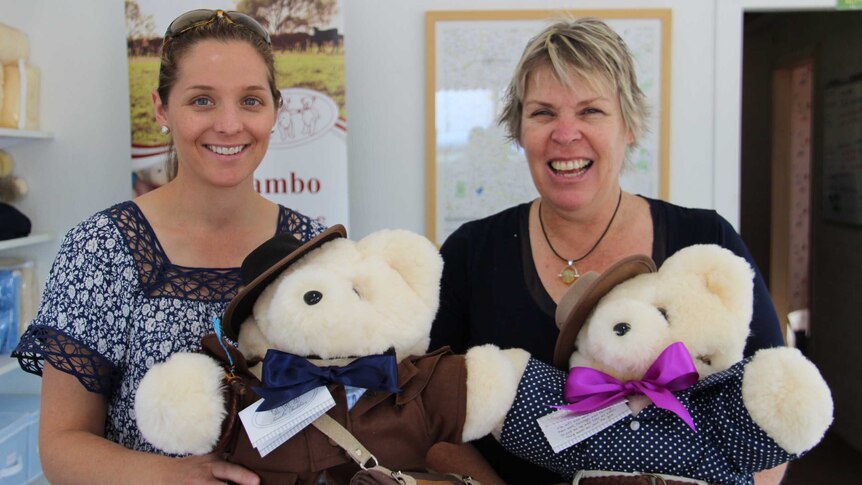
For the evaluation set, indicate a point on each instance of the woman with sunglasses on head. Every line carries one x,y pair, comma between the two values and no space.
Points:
145,278
575,108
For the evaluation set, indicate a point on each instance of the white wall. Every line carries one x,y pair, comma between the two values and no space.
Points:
80,49
385,56
728,93
85,104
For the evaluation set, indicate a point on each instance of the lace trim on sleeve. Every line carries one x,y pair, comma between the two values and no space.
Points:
42,343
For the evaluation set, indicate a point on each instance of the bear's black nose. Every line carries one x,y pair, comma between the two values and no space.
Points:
622,328
312,297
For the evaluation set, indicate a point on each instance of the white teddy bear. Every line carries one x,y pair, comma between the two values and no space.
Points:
645,335
331,308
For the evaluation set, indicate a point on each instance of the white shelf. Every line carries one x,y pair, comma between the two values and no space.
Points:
9,137
26,241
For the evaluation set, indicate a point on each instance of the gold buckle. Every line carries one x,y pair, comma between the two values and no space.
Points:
653,477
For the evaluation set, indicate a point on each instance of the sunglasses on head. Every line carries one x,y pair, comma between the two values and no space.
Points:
198,18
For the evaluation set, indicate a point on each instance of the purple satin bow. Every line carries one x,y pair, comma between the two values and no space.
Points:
589,389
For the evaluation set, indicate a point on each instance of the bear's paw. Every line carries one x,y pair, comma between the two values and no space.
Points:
788,398
179,405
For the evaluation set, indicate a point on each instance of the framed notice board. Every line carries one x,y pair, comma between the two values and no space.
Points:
842,151
472,171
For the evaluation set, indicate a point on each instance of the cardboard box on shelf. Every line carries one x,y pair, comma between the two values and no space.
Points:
14,44
20,96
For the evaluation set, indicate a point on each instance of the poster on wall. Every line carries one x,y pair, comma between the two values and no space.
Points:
842,151
305,167
473,171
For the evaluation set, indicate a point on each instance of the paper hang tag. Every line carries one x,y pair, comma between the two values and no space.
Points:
564,428
267,430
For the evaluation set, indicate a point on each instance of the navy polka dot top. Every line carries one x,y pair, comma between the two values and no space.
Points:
727,447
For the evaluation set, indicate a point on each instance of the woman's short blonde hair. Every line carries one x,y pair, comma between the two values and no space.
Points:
586,48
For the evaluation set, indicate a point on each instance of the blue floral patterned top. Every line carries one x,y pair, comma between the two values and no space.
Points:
114,305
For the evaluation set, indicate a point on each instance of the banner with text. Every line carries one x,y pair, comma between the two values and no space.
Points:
306,165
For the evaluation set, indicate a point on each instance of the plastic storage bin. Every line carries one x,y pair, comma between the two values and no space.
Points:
10,309
17,300
19,452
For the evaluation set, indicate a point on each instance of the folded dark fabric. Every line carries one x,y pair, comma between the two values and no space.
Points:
12,223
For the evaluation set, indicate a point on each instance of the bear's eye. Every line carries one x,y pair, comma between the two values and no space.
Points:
622,328
663,313
312,297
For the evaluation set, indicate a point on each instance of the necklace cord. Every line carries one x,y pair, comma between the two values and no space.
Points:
572,261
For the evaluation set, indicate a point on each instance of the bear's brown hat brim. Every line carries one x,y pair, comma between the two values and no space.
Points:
263,265
579,300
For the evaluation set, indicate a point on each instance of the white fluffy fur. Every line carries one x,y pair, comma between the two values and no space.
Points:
787,397
492,381
408,253
626,357
179,405
378,293
707,293
251,341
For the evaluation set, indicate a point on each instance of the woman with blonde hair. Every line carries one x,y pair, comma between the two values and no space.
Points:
575,107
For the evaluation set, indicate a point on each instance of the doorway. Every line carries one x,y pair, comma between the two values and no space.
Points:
809,260
790,235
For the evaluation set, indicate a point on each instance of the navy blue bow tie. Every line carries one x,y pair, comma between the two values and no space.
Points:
287,376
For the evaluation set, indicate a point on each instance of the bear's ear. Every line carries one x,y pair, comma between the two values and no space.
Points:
251,341
414,257
724,274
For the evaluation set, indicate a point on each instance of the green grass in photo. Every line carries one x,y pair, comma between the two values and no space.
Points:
143,79
321,72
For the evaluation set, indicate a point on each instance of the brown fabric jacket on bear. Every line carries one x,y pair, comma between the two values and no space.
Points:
398,429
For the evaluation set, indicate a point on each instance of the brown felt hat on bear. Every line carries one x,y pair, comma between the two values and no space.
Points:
263,265
579,300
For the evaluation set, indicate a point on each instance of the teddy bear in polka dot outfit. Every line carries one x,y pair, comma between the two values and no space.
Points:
639,334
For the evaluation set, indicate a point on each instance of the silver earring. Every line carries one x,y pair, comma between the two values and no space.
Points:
165,129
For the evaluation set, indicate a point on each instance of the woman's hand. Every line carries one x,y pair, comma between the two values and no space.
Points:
772,476
74,451
209,469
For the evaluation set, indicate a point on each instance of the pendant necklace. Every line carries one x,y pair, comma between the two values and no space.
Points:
569,274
